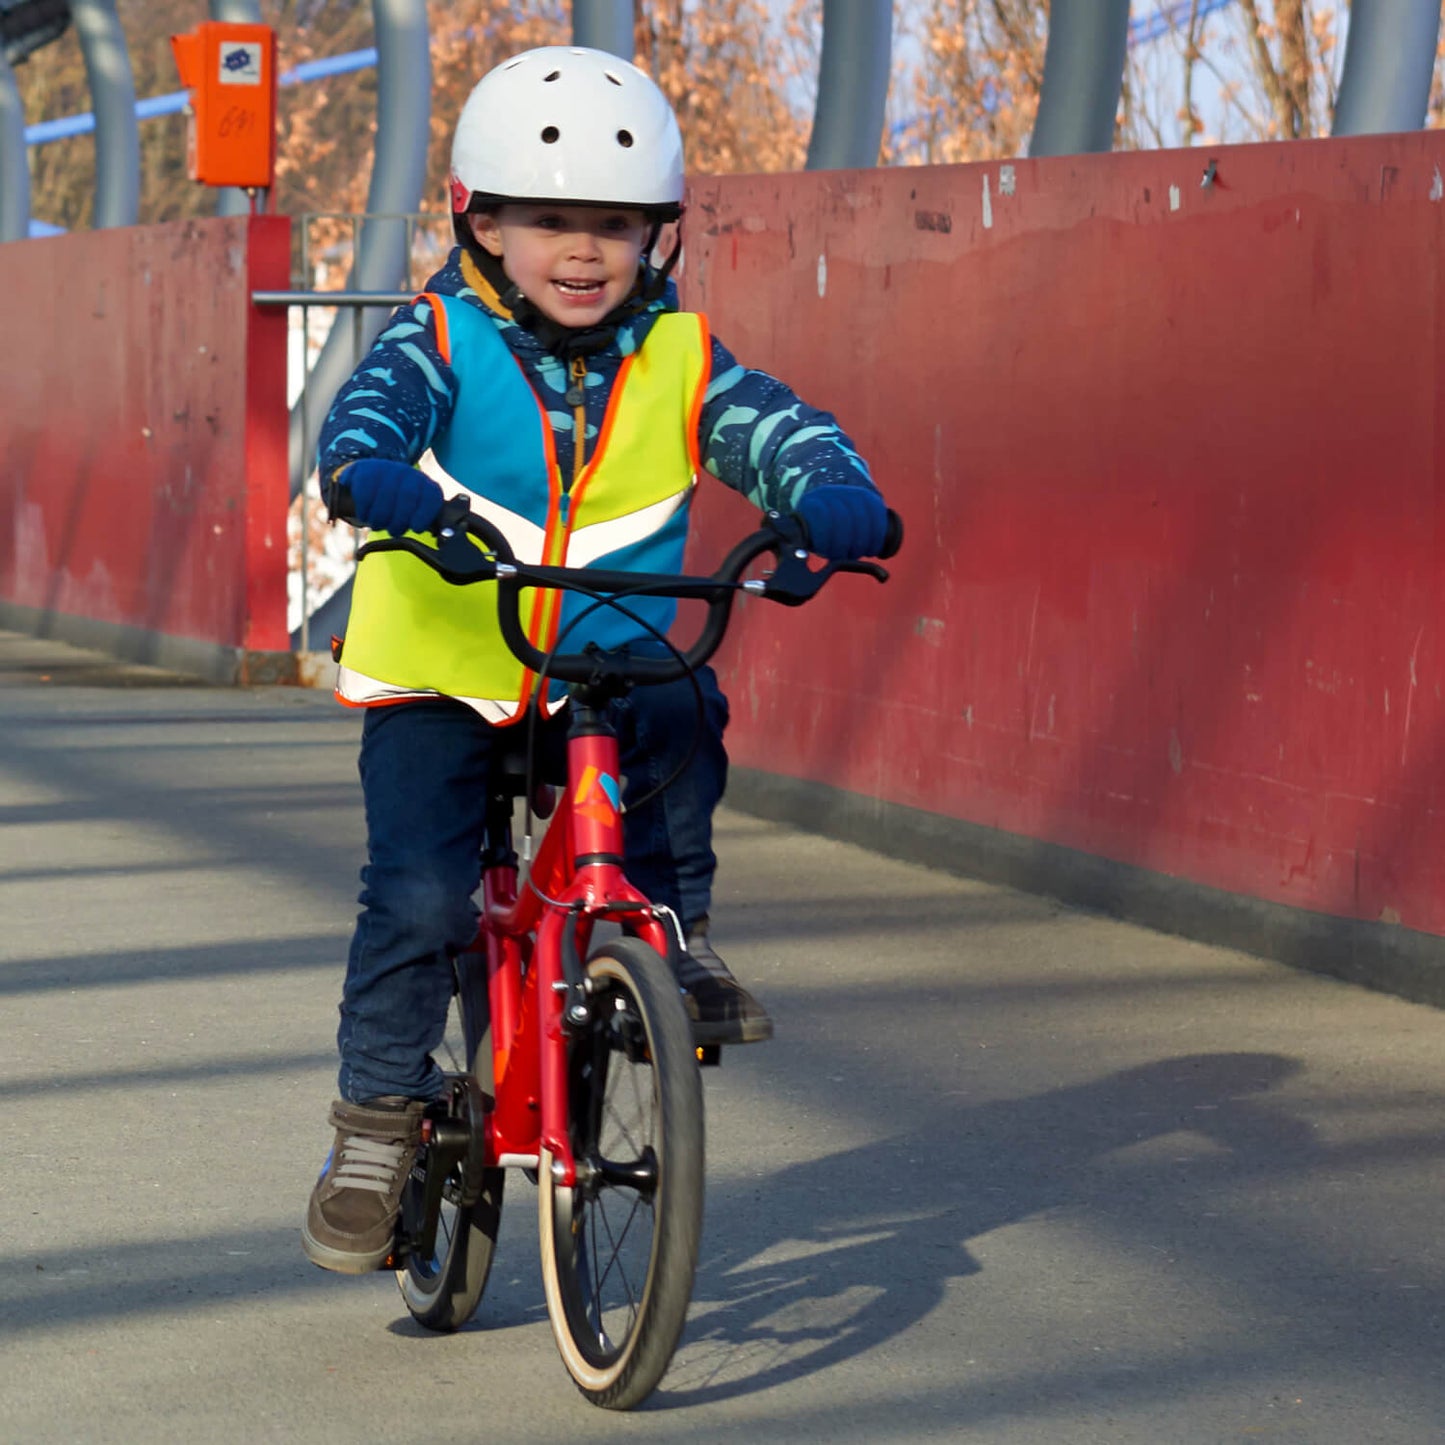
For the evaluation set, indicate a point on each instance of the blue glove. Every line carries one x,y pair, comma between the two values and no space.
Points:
843,523
391,496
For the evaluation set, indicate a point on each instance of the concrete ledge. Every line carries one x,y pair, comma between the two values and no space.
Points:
1381,956
209,661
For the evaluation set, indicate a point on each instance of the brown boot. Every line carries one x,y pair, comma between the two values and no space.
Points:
351,1219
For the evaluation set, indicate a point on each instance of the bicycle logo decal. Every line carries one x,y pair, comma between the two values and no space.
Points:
598,797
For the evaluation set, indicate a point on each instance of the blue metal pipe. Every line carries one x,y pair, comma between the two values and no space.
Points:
63,128
1168,18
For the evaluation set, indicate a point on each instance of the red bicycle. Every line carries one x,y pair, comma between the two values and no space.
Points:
576,1063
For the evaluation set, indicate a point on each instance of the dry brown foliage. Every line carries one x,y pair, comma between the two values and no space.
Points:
728,79
1257,70
976,89
741,74
729,66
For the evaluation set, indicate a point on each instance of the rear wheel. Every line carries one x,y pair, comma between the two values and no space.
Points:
620,1246
442,1284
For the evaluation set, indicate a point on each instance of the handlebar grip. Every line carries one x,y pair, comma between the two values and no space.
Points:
893,537
338,499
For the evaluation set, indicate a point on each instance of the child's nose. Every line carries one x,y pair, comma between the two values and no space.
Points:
585,246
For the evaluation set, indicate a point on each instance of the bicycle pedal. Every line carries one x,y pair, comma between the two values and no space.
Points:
709,1056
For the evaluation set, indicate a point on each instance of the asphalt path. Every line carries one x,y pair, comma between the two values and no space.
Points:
1008,1173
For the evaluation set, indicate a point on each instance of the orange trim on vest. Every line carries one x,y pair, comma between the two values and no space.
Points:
439,314
380,701
694,420
548,608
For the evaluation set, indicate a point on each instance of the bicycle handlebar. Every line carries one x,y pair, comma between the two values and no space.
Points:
792,582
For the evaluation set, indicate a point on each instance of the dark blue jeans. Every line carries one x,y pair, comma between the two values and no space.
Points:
426,769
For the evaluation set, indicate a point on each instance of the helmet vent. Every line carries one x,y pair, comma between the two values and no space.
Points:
624,138
551,135
555,75
611,77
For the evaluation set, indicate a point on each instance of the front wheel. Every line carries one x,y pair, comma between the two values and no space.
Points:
619,1248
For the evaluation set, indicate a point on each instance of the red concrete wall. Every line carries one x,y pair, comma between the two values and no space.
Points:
143,464
1166,447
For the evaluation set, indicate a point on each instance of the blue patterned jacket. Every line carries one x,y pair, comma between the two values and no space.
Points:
754,434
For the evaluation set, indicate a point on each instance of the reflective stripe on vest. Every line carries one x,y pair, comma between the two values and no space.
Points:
410,633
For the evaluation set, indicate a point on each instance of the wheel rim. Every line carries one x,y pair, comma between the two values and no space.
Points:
605,1226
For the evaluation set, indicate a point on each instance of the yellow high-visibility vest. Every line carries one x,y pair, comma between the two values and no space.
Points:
413,634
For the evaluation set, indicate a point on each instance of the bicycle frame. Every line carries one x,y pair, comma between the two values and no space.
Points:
533,940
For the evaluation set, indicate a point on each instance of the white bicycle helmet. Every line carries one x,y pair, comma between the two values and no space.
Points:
567,124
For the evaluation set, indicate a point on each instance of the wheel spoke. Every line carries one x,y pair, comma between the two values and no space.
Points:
615,1262
617,1242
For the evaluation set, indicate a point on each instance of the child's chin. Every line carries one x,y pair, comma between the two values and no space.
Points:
578,316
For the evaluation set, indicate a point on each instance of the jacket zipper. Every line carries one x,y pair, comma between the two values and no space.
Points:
576,398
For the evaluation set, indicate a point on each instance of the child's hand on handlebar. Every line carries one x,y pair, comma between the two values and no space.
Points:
391,496
843,523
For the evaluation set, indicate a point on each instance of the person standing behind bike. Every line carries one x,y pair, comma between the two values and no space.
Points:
550,374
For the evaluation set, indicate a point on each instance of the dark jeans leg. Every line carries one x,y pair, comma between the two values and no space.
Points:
669,838
424,775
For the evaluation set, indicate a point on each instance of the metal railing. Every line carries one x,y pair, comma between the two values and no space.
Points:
427,242
356,302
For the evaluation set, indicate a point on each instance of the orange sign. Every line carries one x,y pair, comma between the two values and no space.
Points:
230,71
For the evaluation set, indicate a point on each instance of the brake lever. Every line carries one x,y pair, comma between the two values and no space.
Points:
460,560
867,569
453,516
793,582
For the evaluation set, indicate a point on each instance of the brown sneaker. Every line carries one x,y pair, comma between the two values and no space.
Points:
722,1011
351,1219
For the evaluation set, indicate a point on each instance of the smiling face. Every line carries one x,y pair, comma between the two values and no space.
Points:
575,264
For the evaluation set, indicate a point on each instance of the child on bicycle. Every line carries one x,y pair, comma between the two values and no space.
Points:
548,374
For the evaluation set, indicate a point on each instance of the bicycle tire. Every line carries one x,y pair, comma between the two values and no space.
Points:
639,1041
442,1292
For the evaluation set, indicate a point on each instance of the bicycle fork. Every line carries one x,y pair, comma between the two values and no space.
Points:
537,1001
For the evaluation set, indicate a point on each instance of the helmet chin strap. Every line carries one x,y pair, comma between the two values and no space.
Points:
573,341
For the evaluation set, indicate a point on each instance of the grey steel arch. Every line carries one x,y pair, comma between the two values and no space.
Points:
112,97
403,127
230,200
852,84
14,159
1389,63
604,25
1083,77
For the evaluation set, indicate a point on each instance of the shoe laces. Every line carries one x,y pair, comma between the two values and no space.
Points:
370,1163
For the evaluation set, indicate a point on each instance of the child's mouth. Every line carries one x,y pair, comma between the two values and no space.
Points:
582,290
